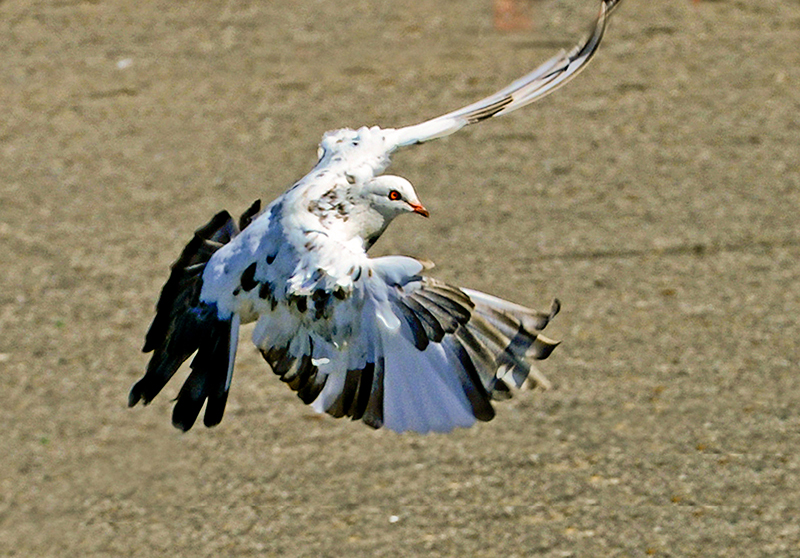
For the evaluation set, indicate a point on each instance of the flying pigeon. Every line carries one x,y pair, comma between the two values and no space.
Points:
374,339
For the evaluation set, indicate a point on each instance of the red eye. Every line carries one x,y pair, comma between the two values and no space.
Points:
394,195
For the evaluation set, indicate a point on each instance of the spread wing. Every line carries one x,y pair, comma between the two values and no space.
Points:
543,80
419,355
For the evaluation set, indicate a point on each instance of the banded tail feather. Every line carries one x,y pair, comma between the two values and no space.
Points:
512,333
452,352
489,343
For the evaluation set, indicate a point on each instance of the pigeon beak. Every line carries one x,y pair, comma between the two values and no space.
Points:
420,209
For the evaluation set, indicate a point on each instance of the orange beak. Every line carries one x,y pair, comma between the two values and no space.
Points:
420,209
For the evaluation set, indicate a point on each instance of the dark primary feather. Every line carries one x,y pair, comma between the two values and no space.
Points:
373,410
206,381
361,398
181,320
485,338
183,325
431,327
298,372
415,324
470,379
250,214
185,280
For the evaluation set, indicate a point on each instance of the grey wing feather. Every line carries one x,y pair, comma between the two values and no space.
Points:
543,80
451,352
491,340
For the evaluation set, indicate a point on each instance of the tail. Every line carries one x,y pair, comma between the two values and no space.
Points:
183,324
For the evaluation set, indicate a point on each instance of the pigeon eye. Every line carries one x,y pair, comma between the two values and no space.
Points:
394,195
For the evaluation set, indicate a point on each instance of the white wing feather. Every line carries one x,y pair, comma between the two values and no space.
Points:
422,391
543,80
418,388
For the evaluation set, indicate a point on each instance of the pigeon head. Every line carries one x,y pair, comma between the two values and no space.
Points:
392,195
381,199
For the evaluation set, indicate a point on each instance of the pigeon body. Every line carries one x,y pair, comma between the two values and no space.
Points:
370,338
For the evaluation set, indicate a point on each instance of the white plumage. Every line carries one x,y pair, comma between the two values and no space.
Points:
369,338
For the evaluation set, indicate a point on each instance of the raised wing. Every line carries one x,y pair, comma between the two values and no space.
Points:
543,80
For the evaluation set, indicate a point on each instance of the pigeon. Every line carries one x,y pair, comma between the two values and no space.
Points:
374,339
